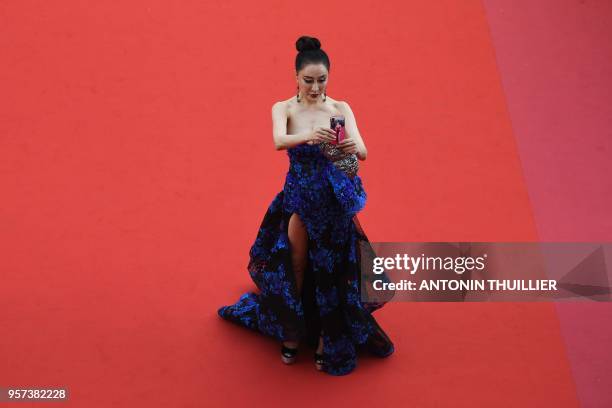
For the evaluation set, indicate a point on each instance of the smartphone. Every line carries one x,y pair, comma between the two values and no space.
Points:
337,124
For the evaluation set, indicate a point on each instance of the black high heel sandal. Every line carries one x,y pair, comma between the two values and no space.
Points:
288,355
318,357
319,361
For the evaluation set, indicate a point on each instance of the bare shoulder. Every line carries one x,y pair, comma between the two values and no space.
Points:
281,105
344,107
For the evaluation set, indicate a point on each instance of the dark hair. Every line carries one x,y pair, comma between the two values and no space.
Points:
310,52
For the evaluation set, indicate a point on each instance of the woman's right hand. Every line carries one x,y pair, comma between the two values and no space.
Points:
320,134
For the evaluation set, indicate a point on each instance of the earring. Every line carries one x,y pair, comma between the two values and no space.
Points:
324,96
298,93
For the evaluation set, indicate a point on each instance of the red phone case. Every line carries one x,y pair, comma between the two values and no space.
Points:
340,135
337,124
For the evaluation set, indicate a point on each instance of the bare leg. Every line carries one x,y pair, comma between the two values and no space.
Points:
298,238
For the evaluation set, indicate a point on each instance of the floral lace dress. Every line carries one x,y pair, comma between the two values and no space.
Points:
327,201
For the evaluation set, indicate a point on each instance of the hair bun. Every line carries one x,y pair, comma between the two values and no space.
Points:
305,43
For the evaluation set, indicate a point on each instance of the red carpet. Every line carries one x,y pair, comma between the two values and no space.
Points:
137,163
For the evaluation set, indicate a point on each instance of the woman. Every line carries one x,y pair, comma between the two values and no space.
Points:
306,257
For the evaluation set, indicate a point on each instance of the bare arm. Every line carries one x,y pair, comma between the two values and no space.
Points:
279,129
353,132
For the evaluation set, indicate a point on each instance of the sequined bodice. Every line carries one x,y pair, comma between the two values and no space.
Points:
322,152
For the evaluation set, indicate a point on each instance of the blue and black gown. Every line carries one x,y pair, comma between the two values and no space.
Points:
327,201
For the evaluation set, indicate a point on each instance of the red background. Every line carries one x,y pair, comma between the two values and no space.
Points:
137,163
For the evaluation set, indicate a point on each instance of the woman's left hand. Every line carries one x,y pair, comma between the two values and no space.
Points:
348,146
